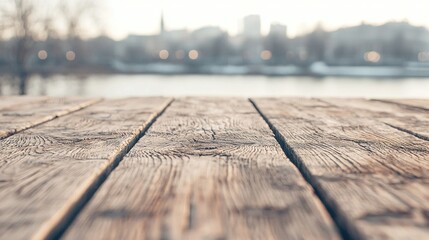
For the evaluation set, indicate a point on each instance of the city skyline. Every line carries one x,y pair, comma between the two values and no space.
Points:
142,17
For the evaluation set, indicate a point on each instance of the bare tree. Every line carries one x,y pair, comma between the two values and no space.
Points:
76,15
27,20
18,17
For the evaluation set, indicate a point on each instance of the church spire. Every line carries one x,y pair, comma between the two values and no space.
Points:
162,26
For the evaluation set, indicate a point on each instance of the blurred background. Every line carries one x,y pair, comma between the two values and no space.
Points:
118,48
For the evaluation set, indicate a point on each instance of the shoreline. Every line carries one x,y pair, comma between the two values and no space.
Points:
315,70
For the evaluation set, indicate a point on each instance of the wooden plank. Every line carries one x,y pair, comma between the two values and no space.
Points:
417,103
373,178
412,120
11,101
26,114
49,171
207,169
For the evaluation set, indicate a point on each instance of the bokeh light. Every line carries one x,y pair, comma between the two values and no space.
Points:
163,54
70,55
193,54
42,55
372,56
266,55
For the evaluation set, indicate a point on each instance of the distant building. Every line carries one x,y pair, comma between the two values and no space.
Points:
252,26
252,40
208,32
174,36
138,48
278,30
170,40
396,42
276,43
162,24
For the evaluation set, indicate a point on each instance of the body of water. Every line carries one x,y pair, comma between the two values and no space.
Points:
215,85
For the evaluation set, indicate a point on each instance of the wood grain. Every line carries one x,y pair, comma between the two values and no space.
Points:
414,121
372,177
207,169
417,103
22,114
12,101
46,171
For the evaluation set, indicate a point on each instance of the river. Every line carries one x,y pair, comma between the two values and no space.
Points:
220,85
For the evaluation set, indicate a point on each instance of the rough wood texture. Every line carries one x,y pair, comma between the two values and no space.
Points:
207,169
48,170
373,178
412,120
21,114
418,103
11,101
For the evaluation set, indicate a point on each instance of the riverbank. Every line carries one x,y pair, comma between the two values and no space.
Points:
125,85
318,69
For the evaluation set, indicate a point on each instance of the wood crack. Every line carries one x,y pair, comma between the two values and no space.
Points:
417,135
41,119
403,105
59,224
346,229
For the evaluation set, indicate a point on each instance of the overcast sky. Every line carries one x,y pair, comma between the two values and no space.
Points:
123,17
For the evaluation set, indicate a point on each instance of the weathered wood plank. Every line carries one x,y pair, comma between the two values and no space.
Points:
11,101
49,170
373,178
412,120
207,169
417,103
26,114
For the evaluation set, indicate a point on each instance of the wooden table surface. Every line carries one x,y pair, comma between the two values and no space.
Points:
213,168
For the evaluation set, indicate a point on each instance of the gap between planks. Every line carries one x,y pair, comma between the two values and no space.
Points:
207,169
417,135
93,185
58,224
44,119
346,232
408,105
405,107
372,176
